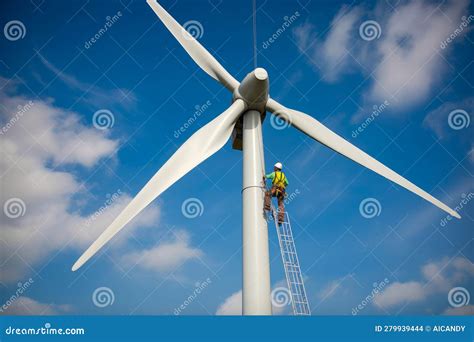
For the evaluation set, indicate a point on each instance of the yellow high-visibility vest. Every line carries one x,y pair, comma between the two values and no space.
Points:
279,179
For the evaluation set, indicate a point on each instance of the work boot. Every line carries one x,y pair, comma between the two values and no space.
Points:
281,218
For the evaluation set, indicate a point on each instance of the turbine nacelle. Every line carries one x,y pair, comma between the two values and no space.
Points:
253,90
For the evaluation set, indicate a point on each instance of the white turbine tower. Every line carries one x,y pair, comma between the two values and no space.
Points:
250,101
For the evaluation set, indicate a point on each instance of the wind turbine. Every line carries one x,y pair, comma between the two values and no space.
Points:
250,101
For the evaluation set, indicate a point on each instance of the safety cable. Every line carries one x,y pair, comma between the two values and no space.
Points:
255,63
253,186
255,34
261,154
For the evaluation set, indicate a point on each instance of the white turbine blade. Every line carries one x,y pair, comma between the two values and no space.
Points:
200,146
198,53
325,136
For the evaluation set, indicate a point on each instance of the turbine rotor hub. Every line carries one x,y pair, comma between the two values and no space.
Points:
261,74
254,90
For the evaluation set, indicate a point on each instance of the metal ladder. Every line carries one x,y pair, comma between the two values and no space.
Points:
294,278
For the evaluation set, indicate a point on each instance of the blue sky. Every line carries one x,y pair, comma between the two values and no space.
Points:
64,169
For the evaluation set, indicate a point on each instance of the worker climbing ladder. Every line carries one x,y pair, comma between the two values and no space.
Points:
294,278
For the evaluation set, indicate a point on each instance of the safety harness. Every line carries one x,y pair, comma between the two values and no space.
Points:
279,182
279,179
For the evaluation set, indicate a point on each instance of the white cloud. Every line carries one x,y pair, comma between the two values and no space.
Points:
467,310
330,55
51,134
39,150
410,64
439,277
399,293
29,306
464,265
438,119
406,60
167,255
232,305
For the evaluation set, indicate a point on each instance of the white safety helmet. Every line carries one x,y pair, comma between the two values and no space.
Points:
278,165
